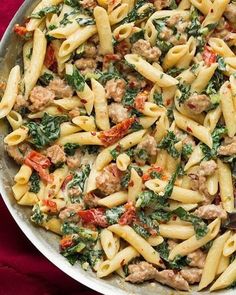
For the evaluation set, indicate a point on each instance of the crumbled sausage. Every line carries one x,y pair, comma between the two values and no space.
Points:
86,65
91,200
117,112
178,39
160,4
141,272
20,103
74,113
139,101
229,147
60,88
149,144
191,275
108,181
211,212
173,20
198,103
197,258
198,179
56,154
173,279
135,82
18,152
40,97
70,213
74,161
207,168
115,89
230,13
90,50
88,4
143,48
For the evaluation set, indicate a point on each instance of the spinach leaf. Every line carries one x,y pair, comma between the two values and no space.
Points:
200,227
126,177
43,12
174,71
112,73
115,153
137,36
217,135
72,253
215,83
130,94
136,126
178,263
164,46
168,144
161,215
85,234
194,29
134,15
76,80
221,63
46,132
160,24
85,21
37,216
90,256
158,99
113,214
68,18
34,183
70,148
187,150
45,79
80,178
142,154
140,230
72,3
185,92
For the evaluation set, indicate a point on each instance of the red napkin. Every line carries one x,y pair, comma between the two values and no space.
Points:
23,269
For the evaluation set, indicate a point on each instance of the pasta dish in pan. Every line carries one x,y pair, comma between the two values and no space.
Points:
122,117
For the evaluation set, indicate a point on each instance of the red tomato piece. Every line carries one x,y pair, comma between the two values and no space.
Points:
20,30
209,56
140,99
39,163
66,242
50,58
129,216
95,216
51,204
67,180
111,136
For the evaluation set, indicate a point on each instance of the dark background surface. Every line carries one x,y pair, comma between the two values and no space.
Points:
23,269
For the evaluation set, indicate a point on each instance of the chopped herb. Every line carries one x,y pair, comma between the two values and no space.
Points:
45,79
34,183
217,135
137,36
46,132
134,15
80,178
185,93
43,12
174,71
70,148
85,21
76,80
158,99
113,215
168,144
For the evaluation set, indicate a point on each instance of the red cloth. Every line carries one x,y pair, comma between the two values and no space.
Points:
23,269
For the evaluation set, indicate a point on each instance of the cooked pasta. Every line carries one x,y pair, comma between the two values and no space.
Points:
122,119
